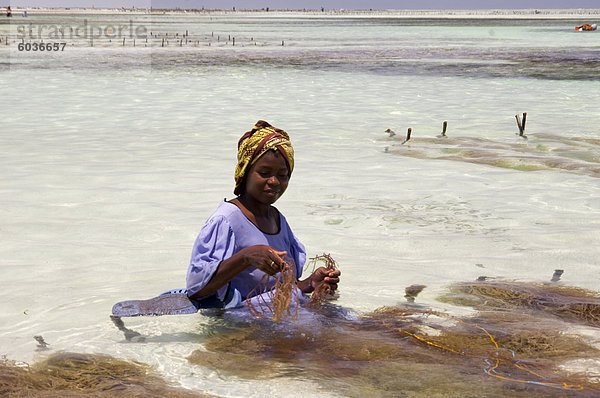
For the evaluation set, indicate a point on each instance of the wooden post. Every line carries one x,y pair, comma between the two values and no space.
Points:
134,42
521,125
444,127
557,274
407,136
163,42
233,41
123,42
282,43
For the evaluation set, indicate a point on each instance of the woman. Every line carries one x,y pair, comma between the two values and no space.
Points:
246,237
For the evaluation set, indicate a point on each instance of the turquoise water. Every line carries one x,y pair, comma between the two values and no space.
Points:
113,156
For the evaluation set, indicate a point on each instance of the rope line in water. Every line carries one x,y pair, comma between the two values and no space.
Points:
491,369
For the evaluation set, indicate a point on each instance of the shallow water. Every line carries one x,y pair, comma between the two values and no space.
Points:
113,156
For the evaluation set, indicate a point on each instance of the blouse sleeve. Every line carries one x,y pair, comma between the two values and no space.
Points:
215,243
298,254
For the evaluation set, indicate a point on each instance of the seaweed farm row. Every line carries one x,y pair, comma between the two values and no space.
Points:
576,155
523,339
103,38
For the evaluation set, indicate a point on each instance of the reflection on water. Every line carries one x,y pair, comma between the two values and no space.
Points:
514,344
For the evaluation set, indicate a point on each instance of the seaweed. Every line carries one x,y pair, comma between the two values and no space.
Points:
512,345
68,374
320,294
569,303
282,299
278,300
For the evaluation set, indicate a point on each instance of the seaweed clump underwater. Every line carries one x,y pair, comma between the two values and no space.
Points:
85,375
518,341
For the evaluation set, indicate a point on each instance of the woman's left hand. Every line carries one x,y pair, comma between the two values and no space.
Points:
322,279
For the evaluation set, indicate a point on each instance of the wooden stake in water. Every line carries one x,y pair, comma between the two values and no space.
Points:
557,274
233,41
521,125
407,136
444,127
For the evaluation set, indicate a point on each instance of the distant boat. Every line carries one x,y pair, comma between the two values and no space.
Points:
586,27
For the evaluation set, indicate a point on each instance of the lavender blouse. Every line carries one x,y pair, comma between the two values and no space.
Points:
228,231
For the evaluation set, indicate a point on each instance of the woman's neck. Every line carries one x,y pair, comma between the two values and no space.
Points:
260,210
264,217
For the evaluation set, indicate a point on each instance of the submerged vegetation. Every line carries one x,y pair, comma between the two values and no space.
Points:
85,375
518,343
539,152
520,339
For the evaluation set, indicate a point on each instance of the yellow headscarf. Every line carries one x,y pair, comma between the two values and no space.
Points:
262,138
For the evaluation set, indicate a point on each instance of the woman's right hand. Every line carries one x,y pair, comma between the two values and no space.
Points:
265,258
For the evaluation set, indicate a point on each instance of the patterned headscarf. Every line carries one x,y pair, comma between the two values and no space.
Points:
255,143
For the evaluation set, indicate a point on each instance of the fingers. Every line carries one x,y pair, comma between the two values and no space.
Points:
328,277
274,261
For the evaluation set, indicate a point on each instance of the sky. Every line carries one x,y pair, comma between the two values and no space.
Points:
314,4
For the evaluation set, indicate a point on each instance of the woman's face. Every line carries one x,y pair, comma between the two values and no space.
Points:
268,178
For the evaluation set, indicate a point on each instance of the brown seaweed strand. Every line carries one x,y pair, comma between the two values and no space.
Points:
319,295
279,296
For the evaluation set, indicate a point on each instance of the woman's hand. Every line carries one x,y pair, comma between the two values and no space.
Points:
324,280
265,258
262,257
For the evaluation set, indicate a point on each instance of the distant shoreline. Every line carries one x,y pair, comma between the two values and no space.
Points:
435,14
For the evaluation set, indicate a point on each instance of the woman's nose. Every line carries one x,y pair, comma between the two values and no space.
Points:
273,180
